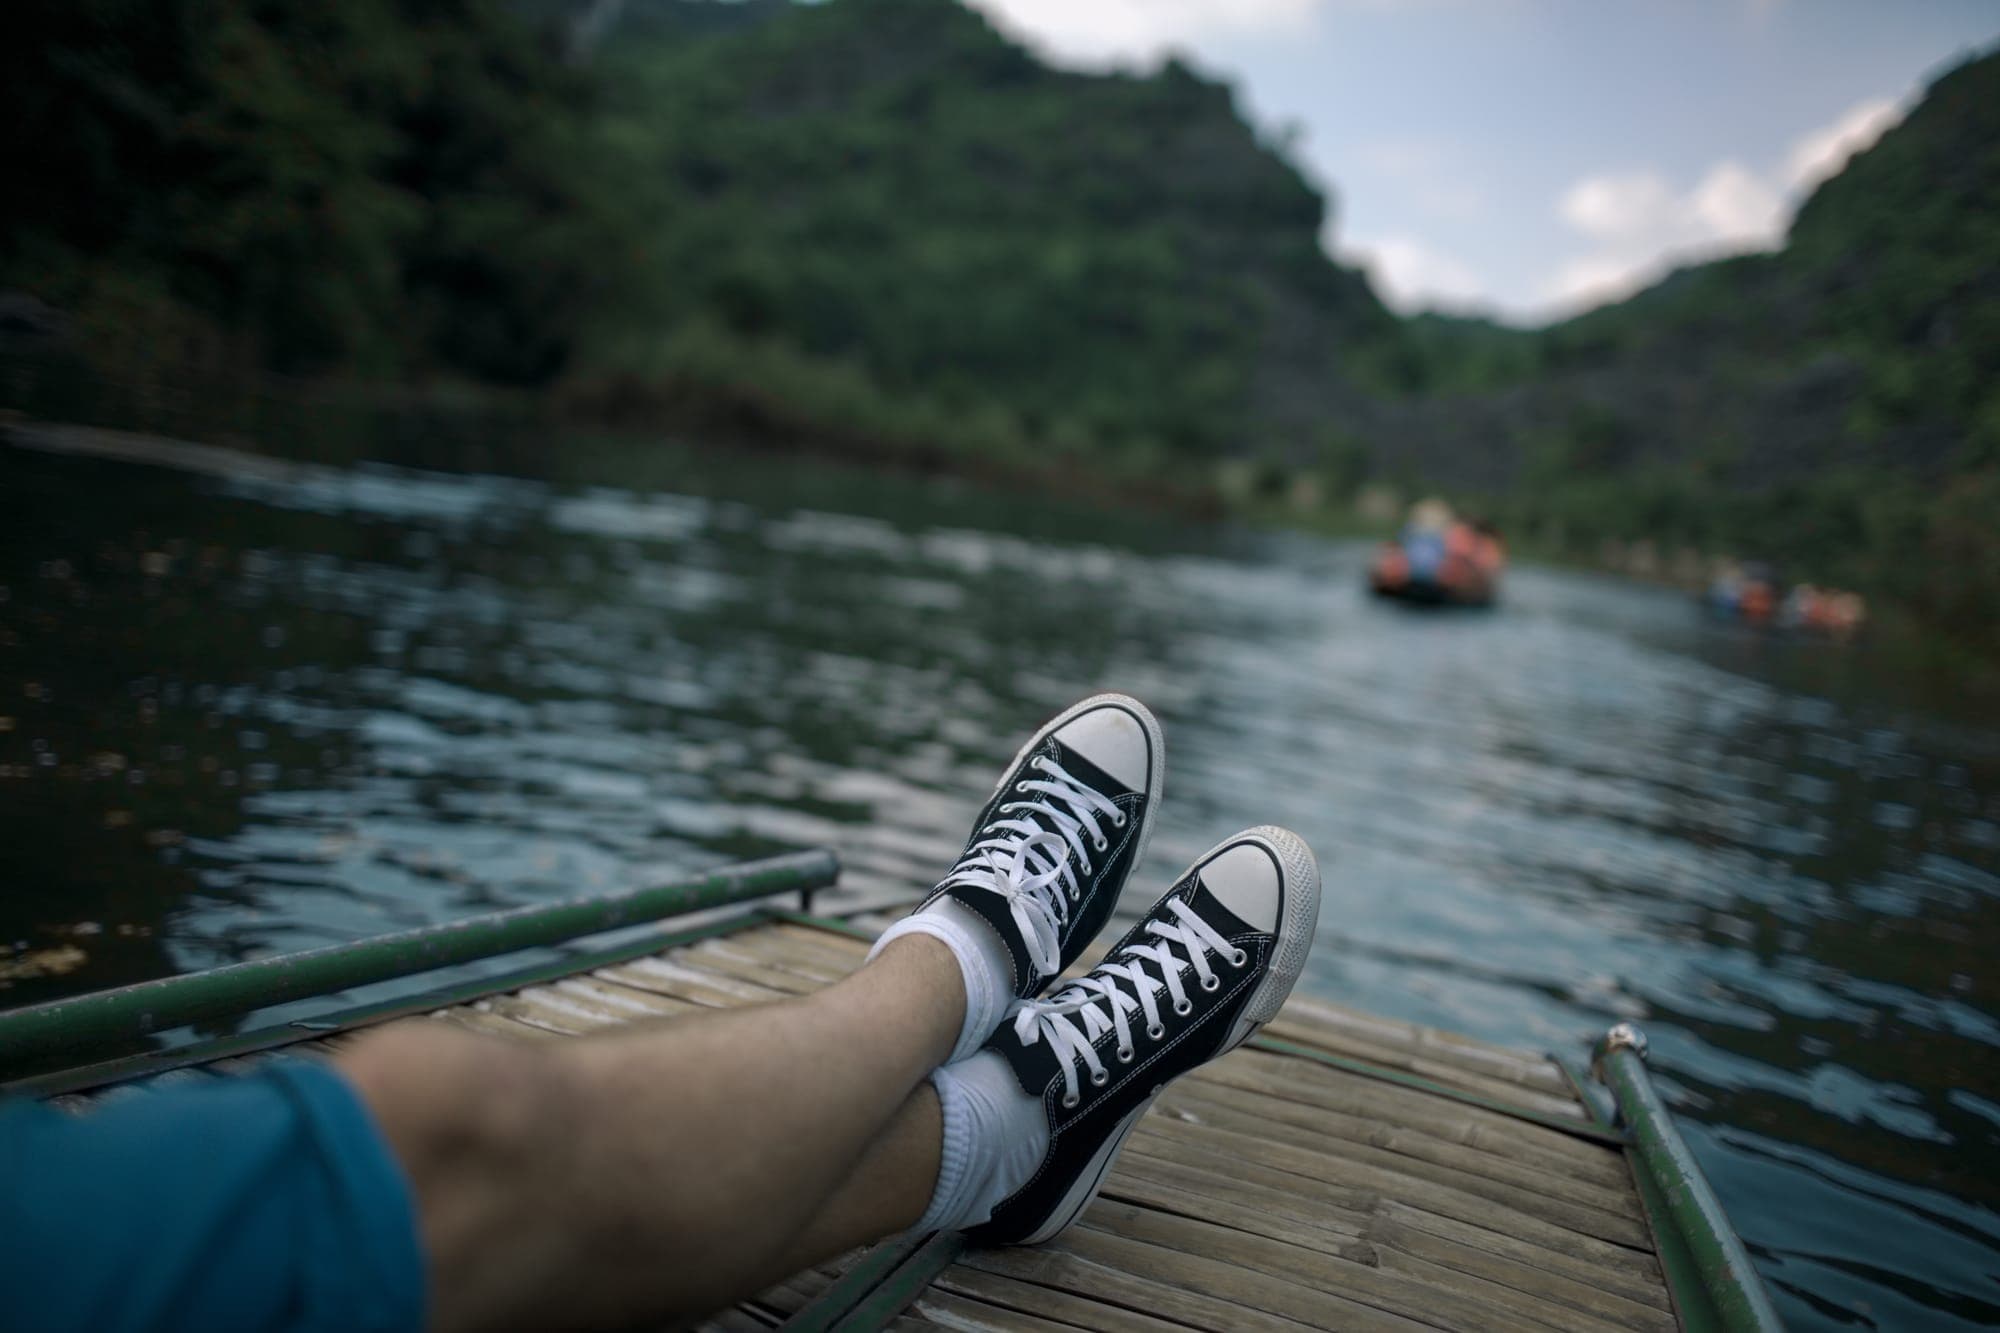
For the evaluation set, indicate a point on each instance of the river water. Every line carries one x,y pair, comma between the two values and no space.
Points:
247,708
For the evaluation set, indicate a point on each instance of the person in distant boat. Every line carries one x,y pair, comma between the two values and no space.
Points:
1489,552
1430,514
433,1177
1823,610
1472,558
1757,599
1725,589
1439,558
1426,538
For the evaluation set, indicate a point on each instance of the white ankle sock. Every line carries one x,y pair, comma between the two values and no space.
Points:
995,1136
982,961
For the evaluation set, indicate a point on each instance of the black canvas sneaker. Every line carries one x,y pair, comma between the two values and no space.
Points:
1209,965
1066,824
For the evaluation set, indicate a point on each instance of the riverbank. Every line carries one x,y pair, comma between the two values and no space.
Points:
456,425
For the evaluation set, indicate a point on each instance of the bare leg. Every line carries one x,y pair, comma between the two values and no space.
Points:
885,1192
666,1171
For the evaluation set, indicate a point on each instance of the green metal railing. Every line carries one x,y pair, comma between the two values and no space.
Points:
1708,1272
87,1023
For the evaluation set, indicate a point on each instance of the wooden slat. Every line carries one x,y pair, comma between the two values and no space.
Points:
1358,1215
1386,1103
1204,1294
668,975
837,941
1309,1126
735,1321
1085,1312
1320,1292
1426,1065
1626,1272
558,1017
1559,1292
1169,1187
1373,1235
637,1005
1450,1300
1552,1223
486,1023
787,955
1307,1018
782,1300
828,948
946,1309
712,956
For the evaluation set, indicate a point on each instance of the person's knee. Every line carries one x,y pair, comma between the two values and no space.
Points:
471,1119
451,1103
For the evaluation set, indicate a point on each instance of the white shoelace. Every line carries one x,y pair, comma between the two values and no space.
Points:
1034,865
1125,987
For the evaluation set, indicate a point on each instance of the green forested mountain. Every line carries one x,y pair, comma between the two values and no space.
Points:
879,225
888,214
874,219
1887,292
366,187
1835,405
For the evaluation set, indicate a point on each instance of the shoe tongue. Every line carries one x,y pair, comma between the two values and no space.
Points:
1077,767
1210,909
994,909
1086,772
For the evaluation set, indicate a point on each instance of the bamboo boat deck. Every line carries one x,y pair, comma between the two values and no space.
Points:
1341,1171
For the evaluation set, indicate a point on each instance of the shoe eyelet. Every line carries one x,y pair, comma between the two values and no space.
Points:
1211,982
1241,957
1100,1078
1020,786
1118,820
1069,1103
1099,843
1184,1008
1157,1031
1125,1054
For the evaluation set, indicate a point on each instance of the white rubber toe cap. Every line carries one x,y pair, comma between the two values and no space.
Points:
1112,737
1245,879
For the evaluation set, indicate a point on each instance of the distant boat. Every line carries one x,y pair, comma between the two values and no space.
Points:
1752,593
1458,564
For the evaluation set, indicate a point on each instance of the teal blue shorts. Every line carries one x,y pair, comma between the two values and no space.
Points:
263,1202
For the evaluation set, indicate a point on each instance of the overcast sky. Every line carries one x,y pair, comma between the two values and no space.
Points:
1534,157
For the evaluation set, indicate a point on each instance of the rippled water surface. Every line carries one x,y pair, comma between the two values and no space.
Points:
246,709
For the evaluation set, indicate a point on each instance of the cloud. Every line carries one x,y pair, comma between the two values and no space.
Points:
1411,276
1138,31
1641,210
1616,207
1821,154
1640,225
1734,206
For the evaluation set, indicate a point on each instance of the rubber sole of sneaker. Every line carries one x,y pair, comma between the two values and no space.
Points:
1295,933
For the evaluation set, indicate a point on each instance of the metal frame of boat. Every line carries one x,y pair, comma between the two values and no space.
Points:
62,1048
